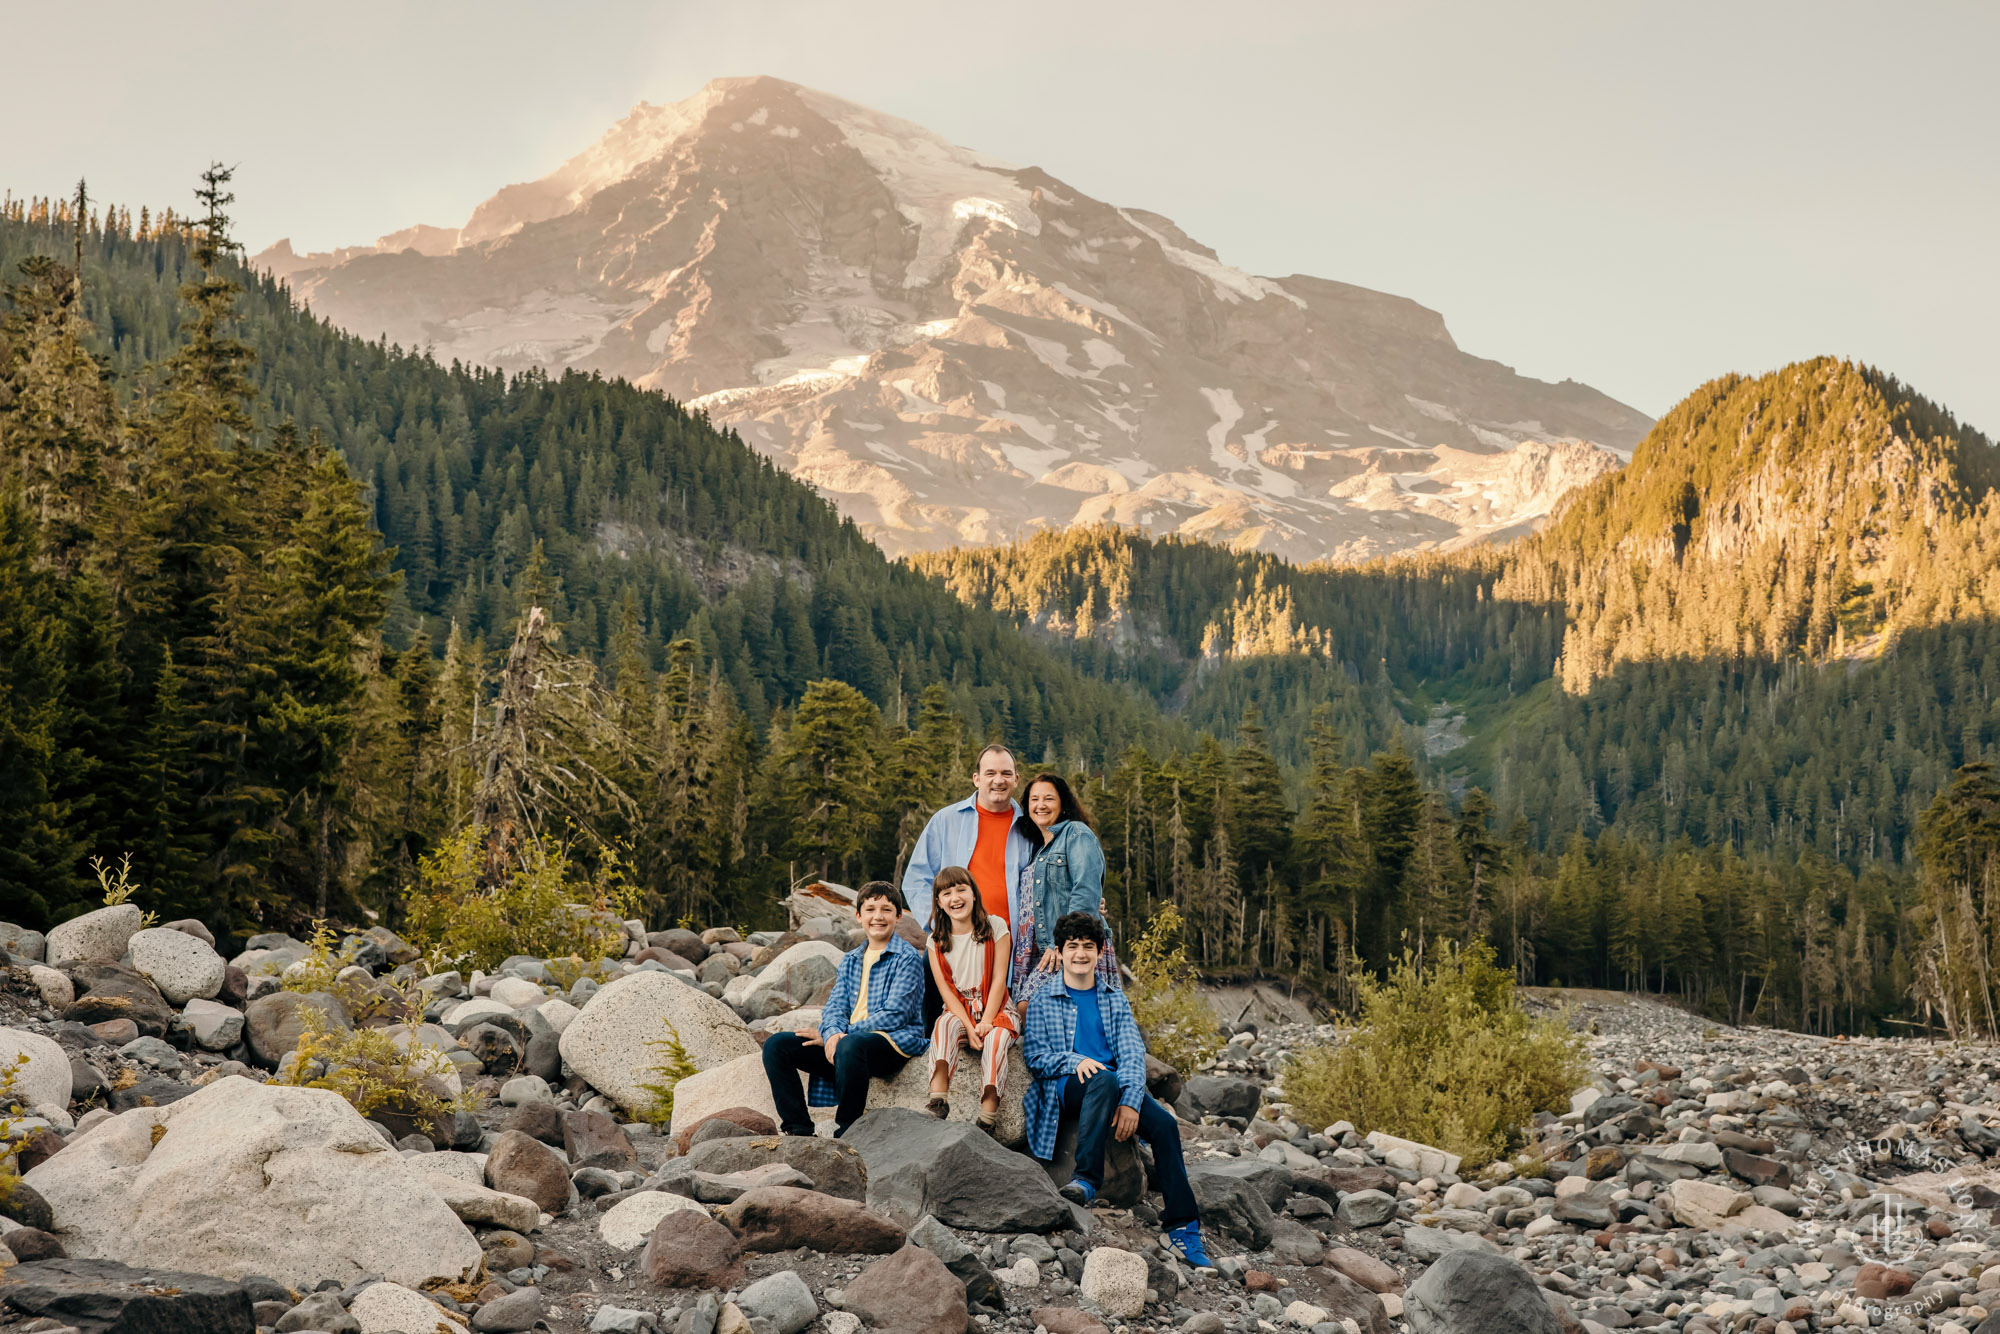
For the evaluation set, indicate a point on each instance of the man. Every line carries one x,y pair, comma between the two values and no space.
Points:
871,1024
979,834
1089,1061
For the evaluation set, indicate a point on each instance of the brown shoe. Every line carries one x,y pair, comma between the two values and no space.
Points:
939,1106
991,1124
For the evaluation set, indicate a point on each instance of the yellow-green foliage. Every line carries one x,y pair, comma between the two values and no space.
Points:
118,888
1444,1056
9,1104
674,1065
547,906
1177,1022
372,1070
320,971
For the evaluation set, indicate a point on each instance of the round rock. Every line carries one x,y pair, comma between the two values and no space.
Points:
44,1082
1115,1281
610,1043
95,937
628,1223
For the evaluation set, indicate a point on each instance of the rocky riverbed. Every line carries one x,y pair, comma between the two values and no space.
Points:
1707,1179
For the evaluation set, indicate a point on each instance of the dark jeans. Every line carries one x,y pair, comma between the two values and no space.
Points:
857,1058
1093,1102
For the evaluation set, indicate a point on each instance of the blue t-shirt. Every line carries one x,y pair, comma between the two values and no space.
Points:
1090,1040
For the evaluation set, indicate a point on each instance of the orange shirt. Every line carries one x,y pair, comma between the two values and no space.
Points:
989,861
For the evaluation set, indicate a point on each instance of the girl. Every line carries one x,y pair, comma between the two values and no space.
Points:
968,957
1065,876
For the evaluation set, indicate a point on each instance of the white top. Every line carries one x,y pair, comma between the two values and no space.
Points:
967,959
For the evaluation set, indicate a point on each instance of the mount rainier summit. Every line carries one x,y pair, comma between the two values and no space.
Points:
956,351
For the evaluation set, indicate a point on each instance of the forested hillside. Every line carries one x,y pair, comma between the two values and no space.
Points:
1717,695
269,628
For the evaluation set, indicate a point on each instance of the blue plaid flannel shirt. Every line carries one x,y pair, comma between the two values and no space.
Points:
1048,1040
895,1005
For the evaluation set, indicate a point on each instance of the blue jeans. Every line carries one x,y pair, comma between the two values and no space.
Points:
1093,1102
857,1058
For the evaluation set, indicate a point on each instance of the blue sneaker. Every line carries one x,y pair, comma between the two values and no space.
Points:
1186,1240
1079,1192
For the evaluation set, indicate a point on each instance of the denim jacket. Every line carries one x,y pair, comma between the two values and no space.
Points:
1066,876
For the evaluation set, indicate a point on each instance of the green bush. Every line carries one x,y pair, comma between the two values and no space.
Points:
1444,1056
10,1106
363,999
380,1076
547,907
1166,999
674,1065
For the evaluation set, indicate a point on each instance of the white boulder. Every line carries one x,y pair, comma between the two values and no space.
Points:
558,1012
182,966
99,936
1430,1162
737,1083
800,970
515,992
1115,1280
213,1025
391,1308
610,1044
43,1083
56,988
628,1223
477,1203
244,1178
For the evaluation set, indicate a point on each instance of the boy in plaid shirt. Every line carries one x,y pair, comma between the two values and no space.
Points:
1089,1060
872,1023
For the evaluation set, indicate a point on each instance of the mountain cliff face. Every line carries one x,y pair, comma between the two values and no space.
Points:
958,351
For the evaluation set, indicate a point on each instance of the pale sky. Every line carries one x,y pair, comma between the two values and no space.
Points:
1640,197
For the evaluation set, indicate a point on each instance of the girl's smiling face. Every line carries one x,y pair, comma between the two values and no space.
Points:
956,900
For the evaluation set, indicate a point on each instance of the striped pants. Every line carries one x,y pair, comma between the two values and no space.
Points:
948,1039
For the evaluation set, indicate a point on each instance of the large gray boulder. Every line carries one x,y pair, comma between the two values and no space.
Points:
94,937
610,1044
182,966
1234,1200
1472,1292
275,1023
243,1178
44,1082
920,1165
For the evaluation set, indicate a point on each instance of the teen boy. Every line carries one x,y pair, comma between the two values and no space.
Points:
1084,1049
872,1022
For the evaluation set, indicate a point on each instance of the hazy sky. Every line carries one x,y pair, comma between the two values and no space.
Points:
1636,196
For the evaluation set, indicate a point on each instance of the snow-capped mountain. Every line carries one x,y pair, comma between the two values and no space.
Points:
955,350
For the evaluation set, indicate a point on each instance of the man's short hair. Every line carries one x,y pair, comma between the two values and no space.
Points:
1079,926
979,760
880,889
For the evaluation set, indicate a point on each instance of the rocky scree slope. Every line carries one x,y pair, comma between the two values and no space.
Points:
955,350
1705,1179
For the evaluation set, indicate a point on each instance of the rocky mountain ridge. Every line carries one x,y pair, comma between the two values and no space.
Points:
957,351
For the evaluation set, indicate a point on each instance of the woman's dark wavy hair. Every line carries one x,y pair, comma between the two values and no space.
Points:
1068,807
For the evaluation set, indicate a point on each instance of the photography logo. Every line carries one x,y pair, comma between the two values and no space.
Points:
1894,1232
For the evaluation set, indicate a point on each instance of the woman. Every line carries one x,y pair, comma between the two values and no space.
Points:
968,957
1066,875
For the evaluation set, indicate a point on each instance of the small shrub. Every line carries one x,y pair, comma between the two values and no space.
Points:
1166,999
674,1066
10,1103
1444,1057
373,1071
547,908
320,971
119,888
